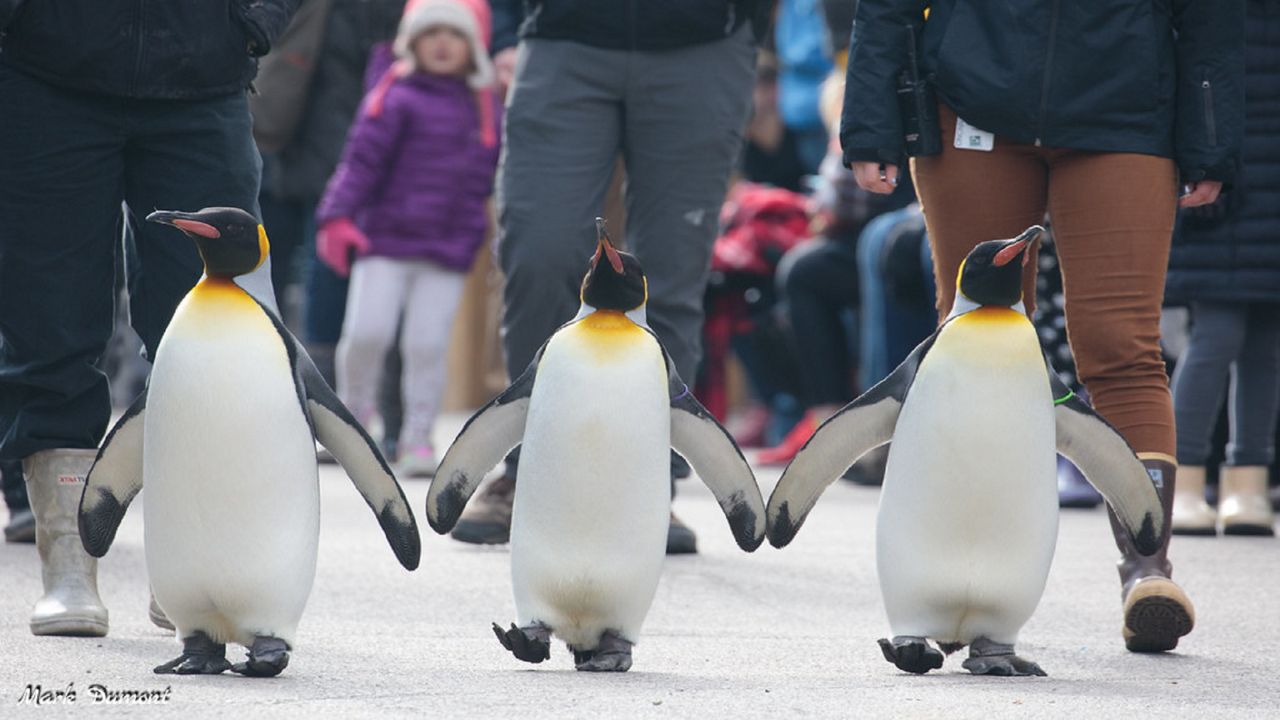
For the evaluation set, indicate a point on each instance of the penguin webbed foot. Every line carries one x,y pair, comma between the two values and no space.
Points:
531,644
268,657
987,657
200,656
613,654
910,653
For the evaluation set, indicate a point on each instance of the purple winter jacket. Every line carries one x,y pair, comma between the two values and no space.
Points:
415,177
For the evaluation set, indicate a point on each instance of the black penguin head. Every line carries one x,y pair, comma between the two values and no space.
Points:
615,280
992,272
230,240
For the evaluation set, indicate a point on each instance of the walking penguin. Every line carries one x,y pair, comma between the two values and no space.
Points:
596,415
224,437
968,513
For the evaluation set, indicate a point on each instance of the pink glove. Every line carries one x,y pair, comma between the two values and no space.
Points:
336,243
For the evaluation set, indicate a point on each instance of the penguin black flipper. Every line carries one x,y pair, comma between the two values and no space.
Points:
711,450
343,436
113,481
484,441
862,425
1108,462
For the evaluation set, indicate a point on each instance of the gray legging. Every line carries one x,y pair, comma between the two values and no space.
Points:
1244,339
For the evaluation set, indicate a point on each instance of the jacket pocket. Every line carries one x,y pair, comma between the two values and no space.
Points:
1206,98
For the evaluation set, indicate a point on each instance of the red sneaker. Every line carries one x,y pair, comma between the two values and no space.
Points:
783,452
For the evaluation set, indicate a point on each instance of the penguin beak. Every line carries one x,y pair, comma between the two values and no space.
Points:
1017,247
604,246
185,222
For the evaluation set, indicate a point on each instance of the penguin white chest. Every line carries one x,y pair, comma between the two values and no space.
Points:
593,499
968,513
231,501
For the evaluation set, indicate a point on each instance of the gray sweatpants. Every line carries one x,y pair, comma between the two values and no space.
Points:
677,117
1245,339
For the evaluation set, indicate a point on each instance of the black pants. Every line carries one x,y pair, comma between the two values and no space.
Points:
820,286
67,161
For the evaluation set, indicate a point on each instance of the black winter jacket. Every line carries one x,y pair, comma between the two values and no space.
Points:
625,24
142,48
1158,77
301,170
1231,251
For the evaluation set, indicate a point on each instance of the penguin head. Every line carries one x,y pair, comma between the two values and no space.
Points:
231,241
614,280
992,272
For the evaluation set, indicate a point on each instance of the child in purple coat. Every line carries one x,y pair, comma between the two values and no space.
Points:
408,201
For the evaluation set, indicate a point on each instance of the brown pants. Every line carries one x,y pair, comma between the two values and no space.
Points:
1112,216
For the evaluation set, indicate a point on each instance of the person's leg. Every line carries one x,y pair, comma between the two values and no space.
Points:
434,295
379,290
970,196
562,136
820,286
562,133
184,155
322,320
1217,337
685,114
1113,219
1255,400
819,283
60,192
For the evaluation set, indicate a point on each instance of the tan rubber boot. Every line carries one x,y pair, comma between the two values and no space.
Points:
1156,611
1191,514
70,606
1244,507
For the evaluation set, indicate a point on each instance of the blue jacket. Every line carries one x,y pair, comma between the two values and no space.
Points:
1158,77
1231,251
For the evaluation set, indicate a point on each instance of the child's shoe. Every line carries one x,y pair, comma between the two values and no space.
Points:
417,461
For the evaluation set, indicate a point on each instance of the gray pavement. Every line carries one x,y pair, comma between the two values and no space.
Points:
773,634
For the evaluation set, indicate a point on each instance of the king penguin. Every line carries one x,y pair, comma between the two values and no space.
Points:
224,438
596,414
968,513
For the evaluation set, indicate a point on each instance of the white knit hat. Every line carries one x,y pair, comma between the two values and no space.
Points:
470,17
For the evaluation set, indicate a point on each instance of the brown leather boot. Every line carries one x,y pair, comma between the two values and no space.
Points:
1156,611
487,519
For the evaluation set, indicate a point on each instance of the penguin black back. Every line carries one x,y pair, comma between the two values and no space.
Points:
231,242
992,272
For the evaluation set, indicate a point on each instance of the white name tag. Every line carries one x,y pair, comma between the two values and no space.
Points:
969,137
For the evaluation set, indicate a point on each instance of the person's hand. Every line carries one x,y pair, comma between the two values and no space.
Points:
1200,193
876,177
335,242
504,65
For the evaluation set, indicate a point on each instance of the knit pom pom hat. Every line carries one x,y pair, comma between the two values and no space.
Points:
473,18
470,17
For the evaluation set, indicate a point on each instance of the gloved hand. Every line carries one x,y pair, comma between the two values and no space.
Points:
337,241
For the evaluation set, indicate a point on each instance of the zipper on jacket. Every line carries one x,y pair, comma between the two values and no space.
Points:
1206,96
1048,68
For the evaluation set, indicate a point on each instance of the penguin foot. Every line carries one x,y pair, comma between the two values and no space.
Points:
200,656
911,653
613,654
268,657
987,657
531,644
